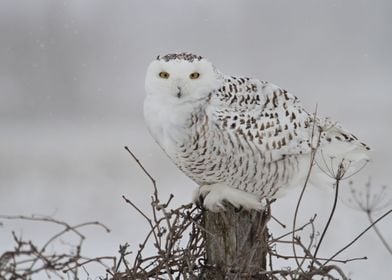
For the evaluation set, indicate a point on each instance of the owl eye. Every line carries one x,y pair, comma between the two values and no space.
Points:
194,75
164,75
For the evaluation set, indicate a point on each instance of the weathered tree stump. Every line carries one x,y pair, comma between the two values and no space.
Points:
236,244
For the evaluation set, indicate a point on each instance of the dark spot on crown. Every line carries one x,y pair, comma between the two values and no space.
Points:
180,56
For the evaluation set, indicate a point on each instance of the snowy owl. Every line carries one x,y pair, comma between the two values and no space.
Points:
242,140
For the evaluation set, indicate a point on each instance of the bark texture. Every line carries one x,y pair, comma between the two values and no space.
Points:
236,244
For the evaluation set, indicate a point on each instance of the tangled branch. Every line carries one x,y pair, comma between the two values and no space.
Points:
28,259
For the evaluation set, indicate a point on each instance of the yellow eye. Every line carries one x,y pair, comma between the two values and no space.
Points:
194,75
164,75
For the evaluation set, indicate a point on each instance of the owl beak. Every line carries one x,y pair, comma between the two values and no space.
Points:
179,93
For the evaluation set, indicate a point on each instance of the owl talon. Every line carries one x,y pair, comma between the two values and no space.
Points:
200,202
198,198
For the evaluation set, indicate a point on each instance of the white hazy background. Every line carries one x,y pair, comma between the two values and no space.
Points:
72,89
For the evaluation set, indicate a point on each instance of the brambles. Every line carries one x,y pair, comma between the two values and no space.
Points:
28,259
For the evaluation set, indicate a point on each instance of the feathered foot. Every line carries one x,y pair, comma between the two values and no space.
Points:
213,198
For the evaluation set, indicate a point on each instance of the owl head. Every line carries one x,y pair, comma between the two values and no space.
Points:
181,78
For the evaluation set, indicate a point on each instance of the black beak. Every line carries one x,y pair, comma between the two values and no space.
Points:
179,94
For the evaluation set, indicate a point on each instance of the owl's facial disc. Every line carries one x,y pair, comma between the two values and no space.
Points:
181,80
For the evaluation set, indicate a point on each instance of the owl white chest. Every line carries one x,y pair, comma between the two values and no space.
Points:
168,122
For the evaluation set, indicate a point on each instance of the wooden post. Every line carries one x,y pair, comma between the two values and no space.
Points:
236,244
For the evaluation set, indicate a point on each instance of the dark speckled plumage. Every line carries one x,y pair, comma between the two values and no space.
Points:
250,135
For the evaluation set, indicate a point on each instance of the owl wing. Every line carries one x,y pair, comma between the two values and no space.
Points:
262,117
257,116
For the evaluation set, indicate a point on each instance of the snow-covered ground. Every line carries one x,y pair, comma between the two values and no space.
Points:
71,92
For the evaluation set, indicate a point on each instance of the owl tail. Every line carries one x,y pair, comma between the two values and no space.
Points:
341,154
